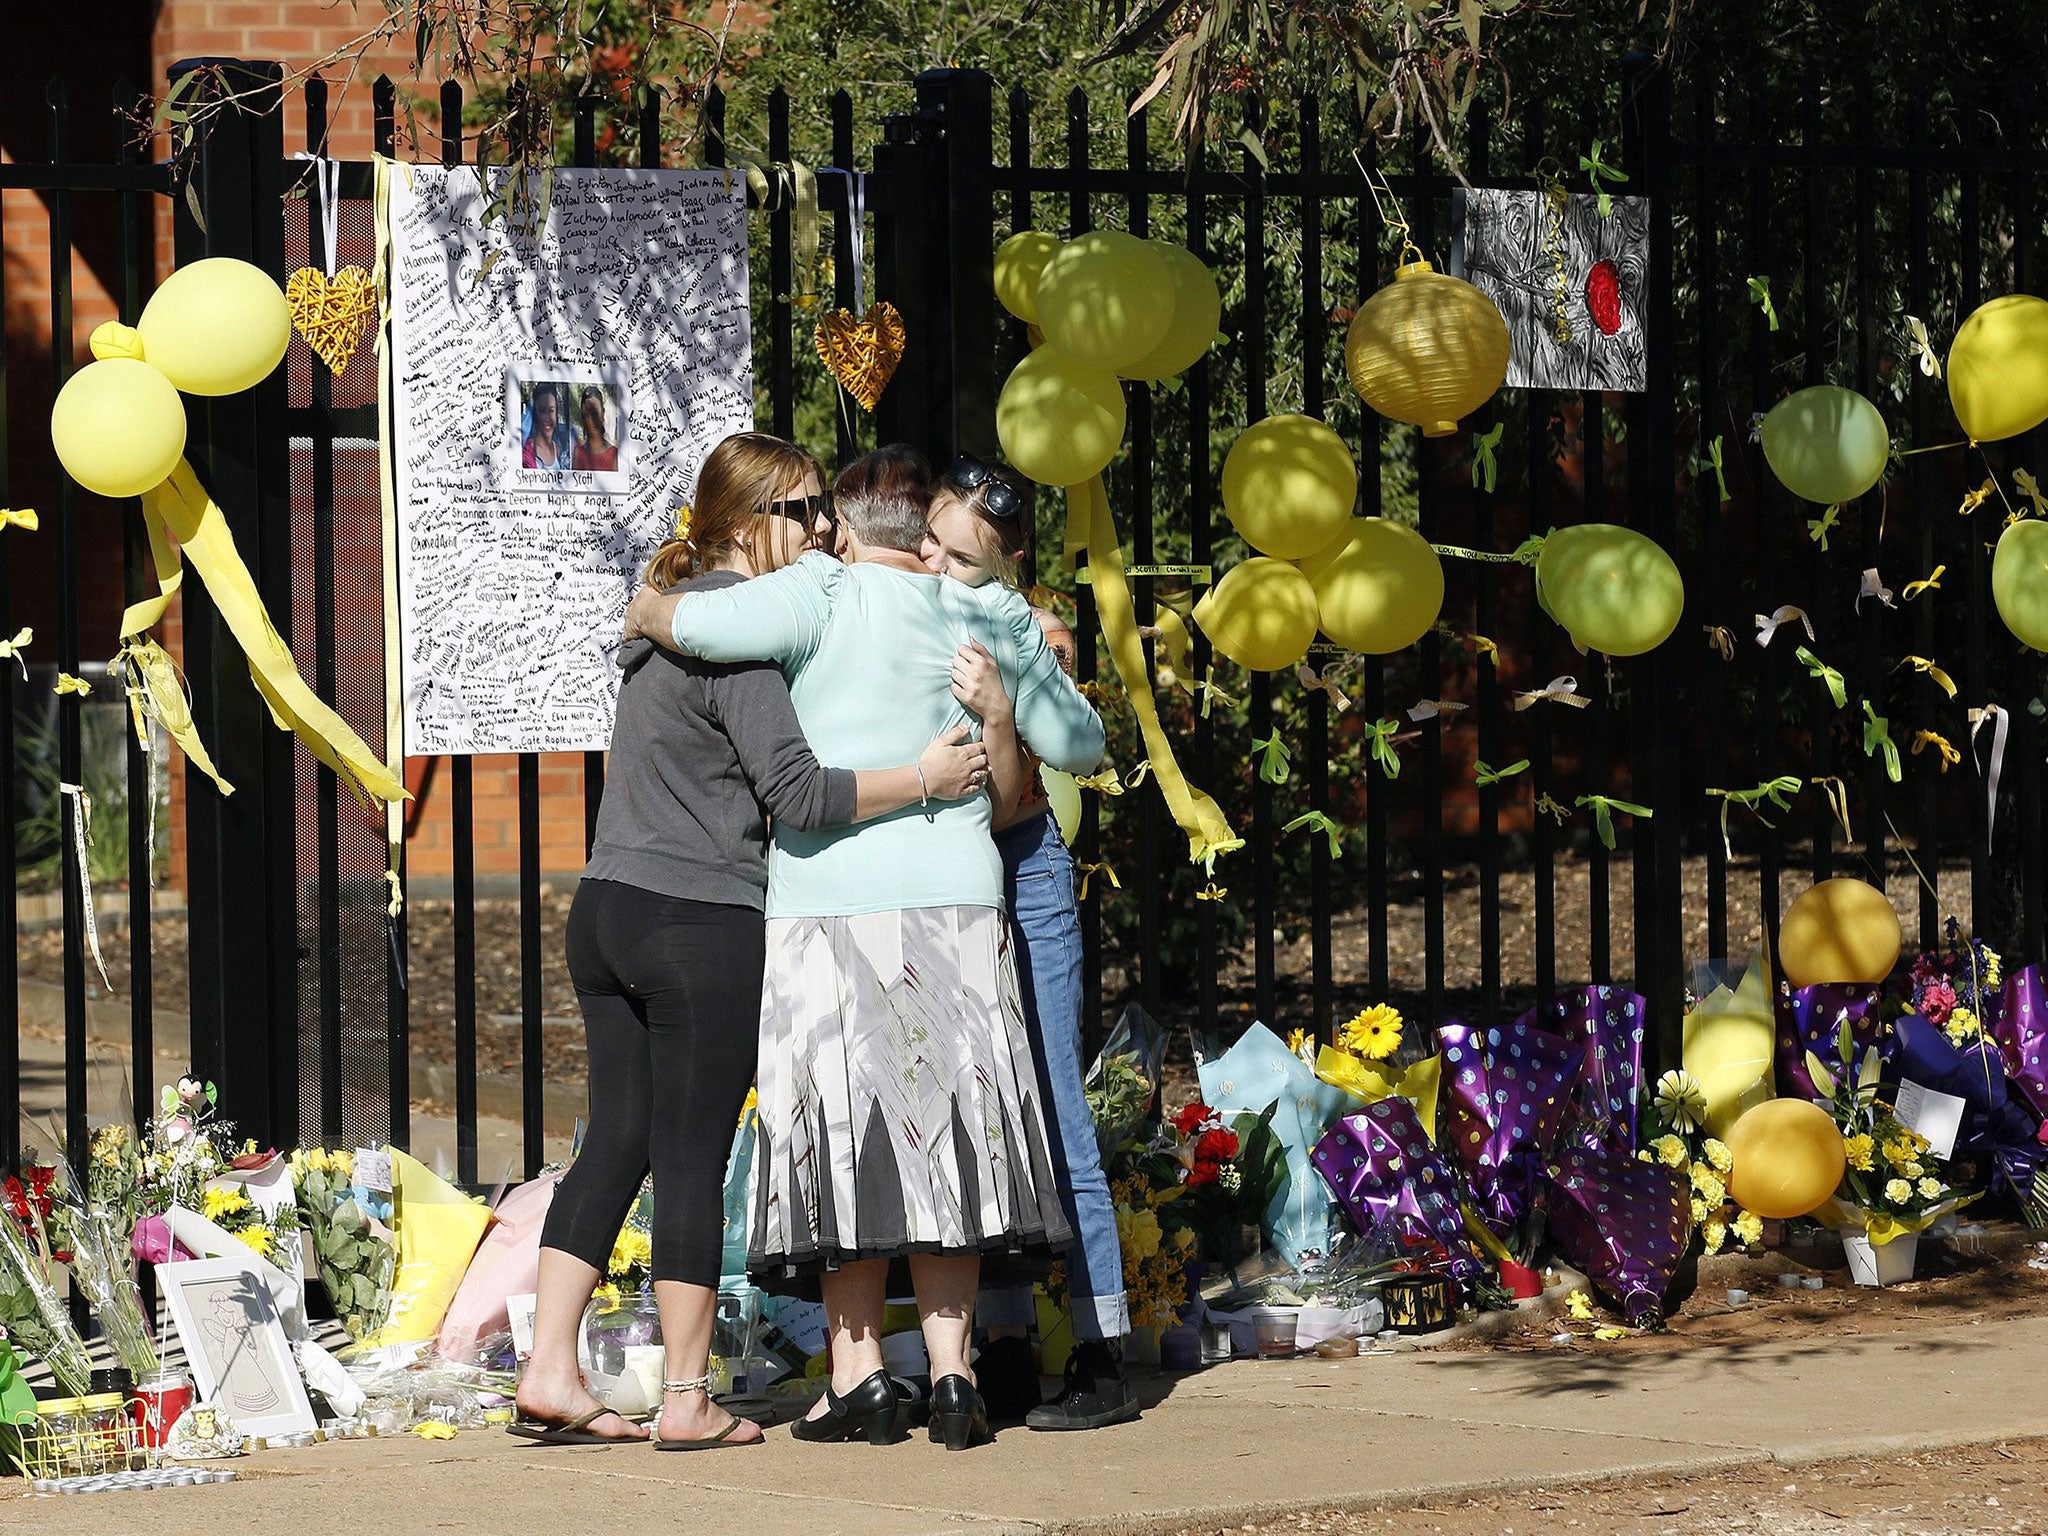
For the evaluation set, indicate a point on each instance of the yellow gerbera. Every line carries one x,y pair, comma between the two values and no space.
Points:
1749,1229
1859,1149
1374,1033
632,1249
259,1238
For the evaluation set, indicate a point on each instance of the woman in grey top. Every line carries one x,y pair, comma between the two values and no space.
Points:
666,946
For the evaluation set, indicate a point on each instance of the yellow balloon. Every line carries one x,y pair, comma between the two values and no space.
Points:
1106,299
1427,348
1065,796
1826,444
1730,1054
118,427
1197,311
1788,1158
1998,368
216,327
2019,581
1613,589
1019,261
1378,588
1262,615
1059,422
1288,486
1840,930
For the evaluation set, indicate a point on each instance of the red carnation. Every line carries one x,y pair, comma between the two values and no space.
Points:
1204,1171
1216,1146
17,1198
1603,296
1191,1118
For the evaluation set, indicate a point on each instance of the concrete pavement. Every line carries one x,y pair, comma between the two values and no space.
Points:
1240,1442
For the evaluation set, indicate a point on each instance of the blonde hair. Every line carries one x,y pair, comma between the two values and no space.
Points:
740,479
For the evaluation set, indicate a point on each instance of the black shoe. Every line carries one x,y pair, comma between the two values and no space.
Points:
1096,1393
959,1416
1009,1379
871,1410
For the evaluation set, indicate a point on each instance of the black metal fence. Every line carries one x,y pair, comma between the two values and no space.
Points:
1857,206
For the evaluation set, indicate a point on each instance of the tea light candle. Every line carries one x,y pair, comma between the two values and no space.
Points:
1737,1297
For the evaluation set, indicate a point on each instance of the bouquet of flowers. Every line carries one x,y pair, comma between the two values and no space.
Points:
1957,987
32,1313
1124,1080
1155,1255
1703,1161
354,1251
96,1242
186,1157
1890,1185
1226,1175
630,1266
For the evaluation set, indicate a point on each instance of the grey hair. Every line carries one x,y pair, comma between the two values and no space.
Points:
884,498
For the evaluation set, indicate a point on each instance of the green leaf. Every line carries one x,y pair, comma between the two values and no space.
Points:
1256,149
1468,18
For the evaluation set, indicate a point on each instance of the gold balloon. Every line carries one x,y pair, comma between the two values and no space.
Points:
2019,581
1378,588
1059,422
1019,261
118,427
1613,589
1065,797
1106,299
1197,311
216,327
1788,1158
1998,368
1840,930
1262,615
1288,486
1427,348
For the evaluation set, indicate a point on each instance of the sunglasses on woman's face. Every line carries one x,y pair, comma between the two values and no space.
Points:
970,474
804,510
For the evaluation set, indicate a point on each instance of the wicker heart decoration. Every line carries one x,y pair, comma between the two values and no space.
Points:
862,353
331,313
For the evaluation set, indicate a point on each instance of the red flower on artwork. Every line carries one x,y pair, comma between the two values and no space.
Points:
1603,296
1204,1172
1216,1146
1191,1118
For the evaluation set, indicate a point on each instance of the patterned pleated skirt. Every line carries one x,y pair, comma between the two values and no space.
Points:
899,1105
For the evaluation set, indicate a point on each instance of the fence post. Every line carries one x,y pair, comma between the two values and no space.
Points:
241,862
961,197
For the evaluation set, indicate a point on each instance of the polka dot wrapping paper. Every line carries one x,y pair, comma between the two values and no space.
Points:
2022,1034
1507,1093
1621,1221
1810,1019
1381,1167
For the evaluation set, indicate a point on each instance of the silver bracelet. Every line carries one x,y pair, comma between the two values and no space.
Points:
688,1384
924,794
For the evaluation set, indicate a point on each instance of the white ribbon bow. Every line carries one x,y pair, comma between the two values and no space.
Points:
1324,682
1873,586
1978,717
1565,690
1767,625
1429,709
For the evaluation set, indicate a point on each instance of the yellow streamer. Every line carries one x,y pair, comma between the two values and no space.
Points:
1944,751
1838,801
1924,665
20,517
66,683
1777,791
10,650
1107,782
1928,583
156,691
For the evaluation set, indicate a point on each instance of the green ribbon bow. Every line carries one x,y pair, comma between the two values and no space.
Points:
1817,527
1711,459
1838,690
1545,806
1760,293
1877,736
1211,694
1486,775
1530,549
1600,172
1778,792
1484,469
1316,821
1273,757
1380,737
1603,809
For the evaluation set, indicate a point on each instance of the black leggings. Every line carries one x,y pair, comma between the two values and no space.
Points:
671,995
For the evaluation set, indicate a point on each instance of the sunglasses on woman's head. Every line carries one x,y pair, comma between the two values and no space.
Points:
970,474
805,510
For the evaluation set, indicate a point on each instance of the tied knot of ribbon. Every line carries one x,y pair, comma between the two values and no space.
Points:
1090,871
1431,709
1273,757
1484,468
1972,500
1777,792
1768,624
1719,639
2030,488
1926,666
1603,808
1107,782
1380,738
1212,892
1923,349
1877,737
1873,585
1838,800
395,903
10,650
1837,686
66,683
20,517
1931,582
1817,528
1945,751
1324,682
1211,693
1318,821
115,340
1486,776
1210,849
1546,806
1563,690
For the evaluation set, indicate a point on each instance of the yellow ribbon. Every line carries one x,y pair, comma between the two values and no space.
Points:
1107,782
1317,821
1760,295
1208,856
395,903
10,650
1604,807
1211,693
1430,709
20,517
1817,527
1480,644
1778,792
1371,1081
1137,774
1719,639
2030,488
1196,813
1564,690
1924,665
1545,806
1767,623
1916,331
1929,583
81,833
1838,689
1273,757
1169,629
1944,751
156,691
1324,682
1877,737
1380,737
1211,892
66,683
1090,871
1838,801
1872,585
1972,500
1488,776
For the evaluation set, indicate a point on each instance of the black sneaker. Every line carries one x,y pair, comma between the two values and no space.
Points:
1096,1392
1008,1377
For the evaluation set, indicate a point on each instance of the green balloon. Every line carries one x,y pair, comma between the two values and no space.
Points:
2019,581
1826,444
1613,589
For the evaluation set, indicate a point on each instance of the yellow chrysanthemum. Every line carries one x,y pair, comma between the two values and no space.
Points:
1374,1033
1699,1210
632,1249
1962,1027
1898,1151
1930,1189
1898,1191
1719,1158
1670,1151
225,1201
1749,1229
1713,1234
1860,1150
259,1238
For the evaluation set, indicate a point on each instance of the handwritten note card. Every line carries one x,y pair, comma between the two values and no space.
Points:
553,395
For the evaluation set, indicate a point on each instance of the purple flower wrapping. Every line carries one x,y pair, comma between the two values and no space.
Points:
1996,1126
2021,1031
1384,1172
1810,1019
1622,1221
1606,1024
1506,1094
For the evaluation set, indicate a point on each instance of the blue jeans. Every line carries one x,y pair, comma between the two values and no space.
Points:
1038,880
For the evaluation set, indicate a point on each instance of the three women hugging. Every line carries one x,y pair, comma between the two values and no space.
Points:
887,947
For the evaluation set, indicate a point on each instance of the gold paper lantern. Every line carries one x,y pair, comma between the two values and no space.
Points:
1839,930
1428,348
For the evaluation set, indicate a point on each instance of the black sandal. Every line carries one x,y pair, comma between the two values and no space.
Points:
575,1432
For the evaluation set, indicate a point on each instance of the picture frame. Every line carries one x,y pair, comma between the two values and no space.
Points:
235,1345
592,443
